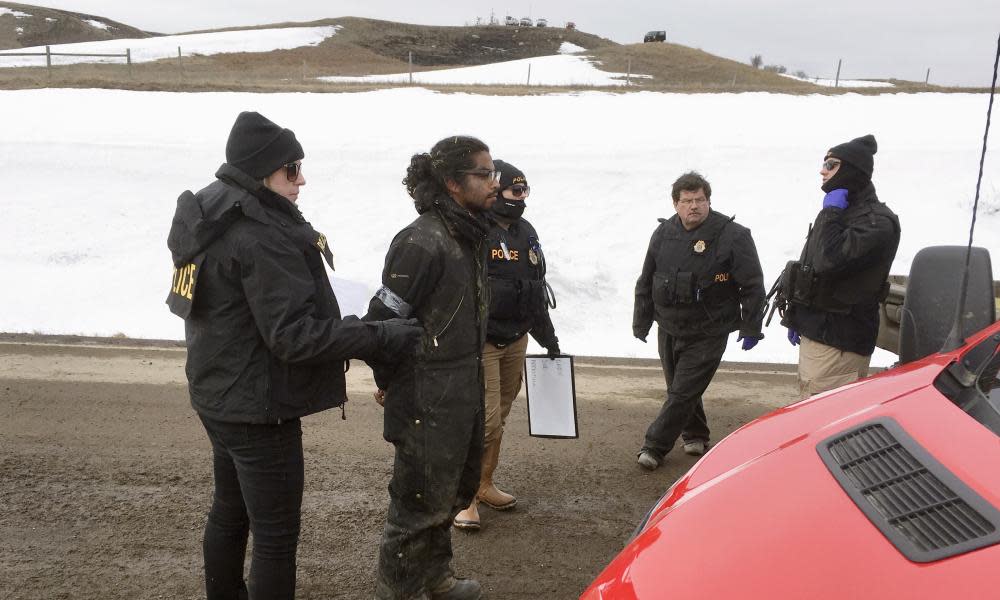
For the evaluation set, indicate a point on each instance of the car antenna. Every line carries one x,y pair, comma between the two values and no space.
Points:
956,338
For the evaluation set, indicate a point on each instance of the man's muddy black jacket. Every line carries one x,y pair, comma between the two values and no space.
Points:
703,282
440,274
265,339
518,299
850,251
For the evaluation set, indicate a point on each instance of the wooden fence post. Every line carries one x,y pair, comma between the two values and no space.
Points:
928,78
128,60
628,75
836,82
529,74
180,63
303,70
48,61
411,68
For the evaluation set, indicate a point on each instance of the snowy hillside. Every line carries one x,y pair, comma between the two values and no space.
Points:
560,70
565,69
155,48
92,177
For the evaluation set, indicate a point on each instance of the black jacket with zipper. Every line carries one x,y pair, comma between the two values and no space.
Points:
850,251
265,339
441,275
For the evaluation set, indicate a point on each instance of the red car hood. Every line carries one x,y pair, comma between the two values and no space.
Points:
761,516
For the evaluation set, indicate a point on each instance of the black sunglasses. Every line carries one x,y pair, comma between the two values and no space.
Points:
831,164
292,170
519,190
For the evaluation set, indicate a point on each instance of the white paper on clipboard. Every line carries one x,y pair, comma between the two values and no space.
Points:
551,389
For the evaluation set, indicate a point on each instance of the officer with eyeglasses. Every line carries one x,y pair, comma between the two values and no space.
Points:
519,306
832,293
266,345
700,281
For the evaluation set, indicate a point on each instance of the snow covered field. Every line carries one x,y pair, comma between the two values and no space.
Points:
150,49
844,83
91,178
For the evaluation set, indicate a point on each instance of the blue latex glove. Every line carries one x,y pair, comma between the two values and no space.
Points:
837,199
793,337
748,343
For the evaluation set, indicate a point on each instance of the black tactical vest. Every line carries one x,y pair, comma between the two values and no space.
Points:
693,289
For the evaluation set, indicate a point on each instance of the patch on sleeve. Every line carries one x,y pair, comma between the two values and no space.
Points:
182,287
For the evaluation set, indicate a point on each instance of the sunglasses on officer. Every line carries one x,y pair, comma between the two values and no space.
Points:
830,164
292,171
518,191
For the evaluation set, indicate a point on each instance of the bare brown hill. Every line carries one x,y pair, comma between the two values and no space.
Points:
24,25
673,66
370,46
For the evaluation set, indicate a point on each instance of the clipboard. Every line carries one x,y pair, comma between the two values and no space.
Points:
550,386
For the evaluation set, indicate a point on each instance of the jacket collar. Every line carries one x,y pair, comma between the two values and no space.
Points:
257,198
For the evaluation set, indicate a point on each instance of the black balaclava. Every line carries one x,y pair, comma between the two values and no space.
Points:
510,210
856,164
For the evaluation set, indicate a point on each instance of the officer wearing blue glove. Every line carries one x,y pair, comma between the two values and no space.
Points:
833,315
701,281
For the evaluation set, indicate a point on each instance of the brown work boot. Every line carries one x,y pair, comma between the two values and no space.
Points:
468,519
492,496
454,588
488,492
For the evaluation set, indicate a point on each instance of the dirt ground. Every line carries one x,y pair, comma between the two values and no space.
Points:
105,477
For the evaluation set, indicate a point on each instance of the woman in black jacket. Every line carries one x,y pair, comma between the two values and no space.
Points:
266,345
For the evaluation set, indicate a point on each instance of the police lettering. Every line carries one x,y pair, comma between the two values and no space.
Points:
721,277
184,281
497,254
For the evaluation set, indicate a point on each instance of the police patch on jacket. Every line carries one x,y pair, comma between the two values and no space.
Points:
182,287
324,248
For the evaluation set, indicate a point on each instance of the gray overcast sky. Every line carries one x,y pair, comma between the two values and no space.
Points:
956,39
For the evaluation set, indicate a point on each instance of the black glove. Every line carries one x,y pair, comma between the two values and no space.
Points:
397,339
640,335
553,349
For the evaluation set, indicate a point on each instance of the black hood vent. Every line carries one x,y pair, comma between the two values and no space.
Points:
921,507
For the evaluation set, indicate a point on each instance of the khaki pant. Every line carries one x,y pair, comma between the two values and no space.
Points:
502,368
823,367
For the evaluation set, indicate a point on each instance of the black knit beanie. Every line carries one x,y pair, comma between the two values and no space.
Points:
258,147
860,152
509,174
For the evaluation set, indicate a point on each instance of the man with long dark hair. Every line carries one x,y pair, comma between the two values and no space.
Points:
435,271
266,345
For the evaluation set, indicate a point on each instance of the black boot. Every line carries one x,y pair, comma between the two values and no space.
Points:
457,589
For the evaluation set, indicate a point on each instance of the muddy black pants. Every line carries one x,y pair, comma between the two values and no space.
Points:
689,364
435,420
